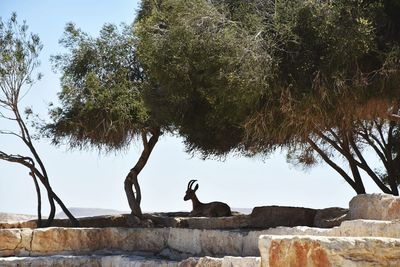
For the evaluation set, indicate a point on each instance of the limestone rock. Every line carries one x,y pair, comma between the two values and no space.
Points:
330,217
227,261
220,243
185,240
15,241
374,207
87,261
329,251
82,240
368,228
273,216
230,261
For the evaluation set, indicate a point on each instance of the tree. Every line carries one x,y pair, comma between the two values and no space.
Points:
201,62
19,53
337,94
283,74
102,103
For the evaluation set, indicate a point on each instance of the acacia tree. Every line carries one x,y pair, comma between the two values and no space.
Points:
284,74
102,103
19,53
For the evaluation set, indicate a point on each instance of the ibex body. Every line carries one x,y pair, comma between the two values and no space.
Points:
212,209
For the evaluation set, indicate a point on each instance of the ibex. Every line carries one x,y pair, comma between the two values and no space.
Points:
212,209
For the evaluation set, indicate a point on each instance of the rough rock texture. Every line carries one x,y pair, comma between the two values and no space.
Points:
313,251
220,243
374,207
87,261
77,241
330,217
367,228
173,243
232,222
185,240
127,261
273,216
15,241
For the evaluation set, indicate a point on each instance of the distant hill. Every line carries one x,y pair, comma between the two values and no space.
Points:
88,212
243,210
12,217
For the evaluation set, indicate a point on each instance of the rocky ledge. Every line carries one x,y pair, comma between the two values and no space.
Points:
315,251
353,243
172,243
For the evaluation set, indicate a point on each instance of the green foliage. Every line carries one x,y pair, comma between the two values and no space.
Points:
201,60
314,77
101,97
19,52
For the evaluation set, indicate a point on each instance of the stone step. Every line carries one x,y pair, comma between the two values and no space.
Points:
315,251
127,261
171,241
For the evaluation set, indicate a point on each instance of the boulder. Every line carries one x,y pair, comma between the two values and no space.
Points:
374,207
330,217
232,222
315,251
273,216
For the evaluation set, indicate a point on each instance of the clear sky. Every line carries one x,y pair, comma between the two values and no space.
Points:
90,179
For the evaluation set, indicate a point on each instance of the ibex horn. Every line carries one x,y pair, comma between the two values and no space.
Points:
190,184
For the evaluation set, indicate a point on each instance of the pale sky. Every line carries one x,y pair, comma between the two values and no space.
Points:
90,179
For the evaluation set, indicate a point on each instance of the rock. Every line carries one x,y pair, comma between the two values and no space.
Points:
227,261
329,251
87,261
374,207
221,243
330,217
209,262
79,241
232,222
368,228
127,260
272,216
23,224
15,241
185,240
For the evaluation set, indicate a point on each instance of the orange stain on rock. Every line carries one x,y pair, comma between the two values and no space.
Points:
297,254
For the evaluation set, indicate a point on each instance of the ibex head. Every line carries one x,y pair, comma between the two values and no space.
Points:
190,193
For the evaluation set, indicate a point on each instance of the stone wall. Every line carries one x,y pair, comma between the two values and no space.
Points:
171,242
316,251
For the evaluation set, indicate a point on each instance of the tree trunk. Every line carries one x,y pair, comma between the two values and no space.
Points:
39,198
53,196
131,180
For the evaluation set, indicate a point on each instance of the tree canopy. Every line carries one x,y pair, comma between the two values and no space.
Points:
101,99
201,56
318,78
102,103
